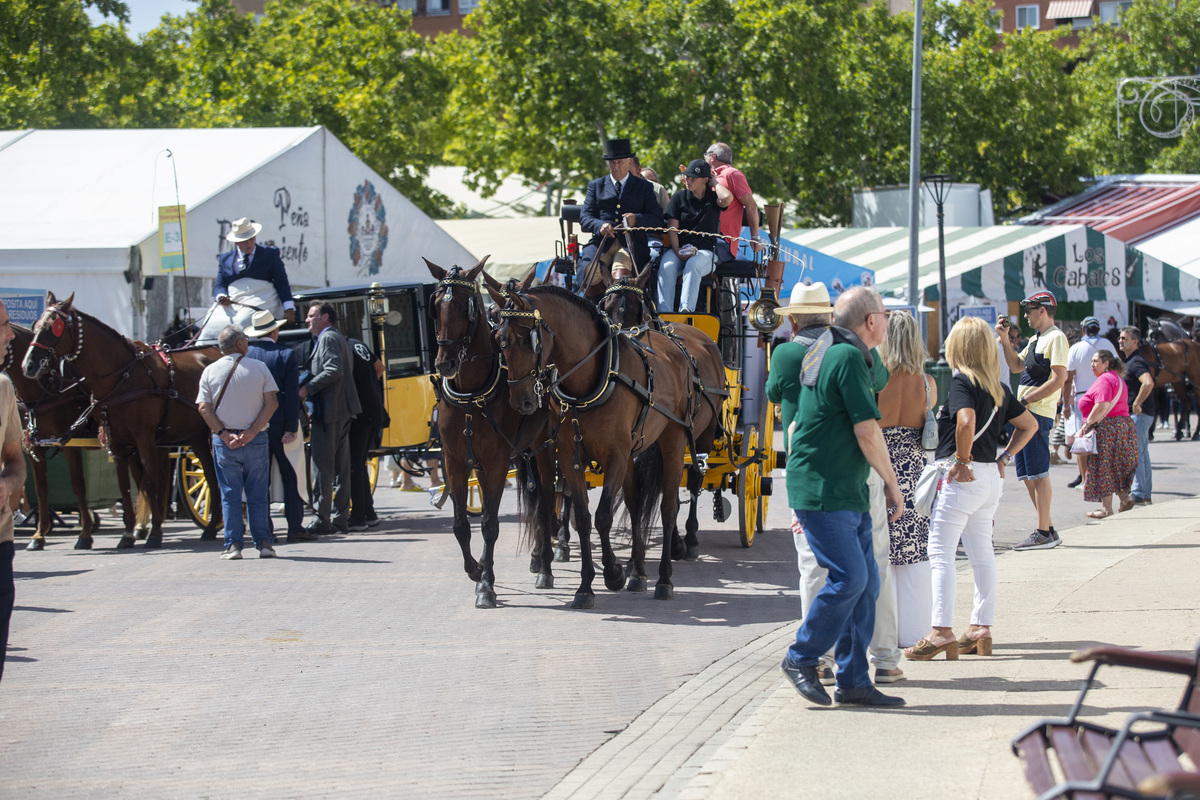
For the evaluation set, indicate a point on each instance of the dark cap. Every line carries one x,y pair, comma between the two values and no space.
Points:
1039,299
698,168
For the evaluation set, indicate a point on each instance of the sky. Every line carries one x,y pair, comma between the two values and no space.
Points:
146,14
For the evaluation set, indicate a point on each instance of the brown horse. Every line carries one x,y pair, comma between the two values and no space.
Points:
625,303
616,398
1175,364
144,398
55,409
481,431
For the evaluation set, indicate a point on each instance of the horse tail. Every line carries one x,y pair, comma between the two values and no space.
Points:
648,478
529,503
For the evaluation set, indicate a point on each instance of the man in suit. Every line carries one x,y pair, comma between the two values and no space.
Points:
248,259
617,201
364,434
285,422
335,403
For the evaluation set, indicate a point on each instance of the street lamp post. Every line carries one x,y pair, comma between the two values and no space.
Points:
938,187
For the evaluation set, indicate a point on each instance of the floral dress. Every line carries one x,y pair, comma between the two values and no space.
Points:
909,533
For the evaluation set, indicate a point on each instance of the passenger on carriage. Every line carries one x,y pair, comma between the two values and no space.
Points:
697,210
252,267
664,199
743,209
613,203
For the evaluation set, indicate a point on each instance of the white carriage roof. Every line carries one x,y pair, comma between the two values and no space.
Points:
100,189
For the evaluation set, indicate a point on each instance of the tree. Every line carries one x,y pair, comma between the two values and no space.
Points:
1155,38
56,69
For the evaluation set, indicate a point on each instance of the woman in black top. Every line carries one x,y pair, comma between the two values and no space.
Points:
969,426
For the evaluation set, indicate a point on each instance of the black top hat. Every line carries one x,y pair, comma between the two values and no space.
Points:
618,148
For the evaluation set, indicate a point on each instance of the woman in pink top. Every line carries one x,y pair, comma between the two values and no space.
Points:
1105,409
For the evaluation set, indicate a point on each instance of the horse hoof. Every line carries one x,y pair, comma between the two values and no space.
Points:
678,549
614,579
142,535
485,600
36,544
153,542
535,564
664,591
206,536
1178,435
544,581
637,583
584,600
83,544
693,552
562,554
126,542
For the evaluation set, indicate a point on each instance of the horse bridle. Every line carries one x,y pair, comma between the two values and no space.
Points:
540,369
445,291
623,289
58,326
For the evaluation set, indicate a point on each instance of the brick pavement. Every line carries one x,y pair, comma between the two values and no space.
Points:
356,666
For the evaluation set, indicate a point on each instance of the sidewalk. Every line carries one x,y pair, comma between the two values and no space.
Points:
738,730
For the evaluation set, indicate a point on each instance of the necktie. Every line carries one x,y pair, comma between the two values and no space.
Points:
245,261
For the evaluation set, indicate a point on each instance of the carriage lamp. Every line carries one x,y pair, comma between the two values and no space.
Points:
376,304
761,314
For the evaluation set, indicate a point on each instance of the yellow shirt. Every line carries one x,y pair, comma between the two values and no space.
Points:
1053,347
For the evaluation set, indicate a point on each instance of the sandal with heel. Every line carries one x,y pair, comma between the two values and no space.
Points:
982,646
925,650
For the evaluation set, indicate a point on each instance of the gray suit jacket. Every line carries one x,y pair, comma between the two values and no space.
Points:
331,387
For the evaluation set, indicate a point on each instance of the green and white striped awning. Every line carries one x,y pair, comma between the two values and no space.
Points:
1007,262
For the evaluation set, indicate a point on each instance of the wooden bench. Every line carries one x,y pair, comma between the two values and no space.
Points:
1154,754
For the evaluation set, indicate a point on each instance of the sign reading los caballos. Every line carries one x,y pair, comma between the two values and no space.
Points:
368,230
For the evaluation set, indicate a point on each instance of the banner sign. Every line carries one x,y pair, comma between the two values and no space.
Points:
172,237
24,306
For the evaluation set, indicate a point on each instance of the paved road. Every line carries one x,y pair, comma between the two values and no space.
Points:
359,666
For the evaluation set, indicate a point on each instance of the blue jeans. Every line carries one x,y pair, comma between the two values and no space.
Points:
843,612
693,270
246,469
1033,462
1143,483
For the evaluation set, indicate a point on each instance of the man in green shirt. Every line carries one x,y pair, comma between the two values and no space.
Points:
837,442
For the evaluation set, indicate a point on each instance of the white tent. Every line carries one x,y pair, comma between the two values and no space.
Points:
513,245
78,213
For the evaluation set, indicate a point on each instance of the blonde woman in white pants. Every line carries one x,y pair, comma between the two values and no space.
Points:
969,426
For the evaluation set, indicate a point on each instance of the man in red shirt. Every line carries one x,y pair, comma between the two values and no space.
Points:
720,157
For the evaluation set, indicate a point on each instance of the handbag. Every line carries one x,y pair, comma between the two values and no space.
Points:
1085,444
929,436
930,482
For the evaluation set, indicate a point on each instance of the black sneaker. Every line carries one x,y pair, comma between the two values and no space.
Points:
1040,540
866,696
357,527
1075,483
807,683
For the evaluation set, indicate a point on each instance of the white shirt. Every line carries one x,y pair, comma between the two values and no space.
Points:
1079,360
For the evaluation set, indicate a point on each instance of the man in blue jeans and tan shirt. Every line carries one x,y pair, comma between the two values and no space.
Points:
1043,368
836,444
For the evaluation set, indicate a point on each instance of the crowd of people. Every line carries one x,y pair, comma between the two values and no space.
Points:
877,577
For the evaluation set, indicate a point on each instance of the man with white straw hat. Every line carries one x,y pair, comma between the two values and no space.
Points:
285,422
249,260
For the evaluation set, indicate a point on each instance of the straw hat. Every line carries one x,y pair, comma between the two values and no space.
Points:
243,229
805,299
262,323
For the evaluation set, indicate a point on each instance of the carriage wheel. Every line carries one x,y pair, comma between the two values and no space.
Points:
474,500
195,487
372,472
767,426
750,501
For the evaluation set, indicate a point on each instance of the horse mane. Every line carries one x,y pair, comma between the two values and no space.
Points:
106,327
601,321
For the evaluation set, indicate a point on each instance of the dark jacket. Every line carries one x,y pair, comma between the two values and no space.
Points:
602,205
265,265
285,369
331,386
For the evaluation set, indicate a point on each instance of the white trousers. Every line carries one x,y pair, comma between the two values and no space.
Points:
913,596
884,651
965,511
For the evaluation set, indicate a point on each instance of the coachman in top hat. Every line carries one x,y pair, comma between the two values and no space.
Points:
618,201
